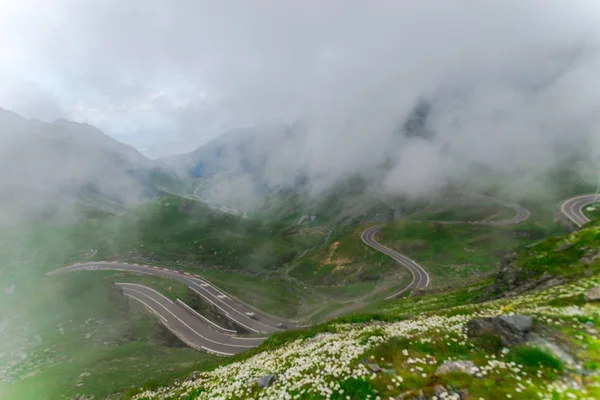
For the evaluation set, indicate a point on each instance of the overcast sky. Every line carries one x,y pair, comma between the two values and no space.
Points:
166,76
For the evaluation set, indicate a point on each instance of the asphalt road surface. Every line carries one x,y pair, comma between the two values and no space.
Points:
186,325
233,309
420,276
573,208
521,215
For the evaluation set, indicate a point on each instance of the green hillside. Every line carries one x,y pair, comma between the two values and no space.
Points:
81,338
396,351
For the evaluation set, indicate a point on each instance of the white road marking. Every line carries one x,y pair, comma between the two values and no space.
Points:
220,308
178,334
238,311
219,296
202,317
183,322
163,319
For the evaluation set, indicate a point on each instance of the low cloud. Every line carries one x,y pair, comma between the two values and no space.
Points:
506,82
30,100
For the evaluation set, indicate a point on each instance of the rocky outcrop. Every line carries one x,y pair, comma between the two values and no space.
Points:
193,376
593,294
466,367
512,280
374,367
266,381
512,329
590,257
518,330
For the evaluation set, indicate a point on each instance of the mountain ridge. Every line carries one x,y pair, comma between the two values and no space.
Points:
45,164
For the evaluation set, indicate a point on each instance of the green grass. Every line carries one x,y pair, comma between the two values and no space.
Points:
345,260
111,369
347,202
69,324
533,358
552,255
390,355
456,207
416,305
78,323
168,287
416,359
592,211
171,229
347,273
184,235
454,253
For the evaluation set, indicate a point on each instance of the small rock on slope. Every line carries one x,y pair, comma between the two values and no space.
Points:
512,329
266,381
593,294
455,366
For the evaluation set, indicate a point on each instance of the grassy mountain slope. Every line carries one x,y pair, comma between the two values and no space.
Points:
54,331
124,344
175,229
79,334
347,275
397,350
349,201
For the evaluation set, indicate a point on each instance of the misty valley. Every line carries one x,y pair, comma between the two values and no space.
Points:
376,200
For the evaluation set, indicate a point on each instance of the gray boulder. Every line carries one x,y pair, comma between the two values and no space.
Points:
411,395
193,376
374,367
266,381
593,294
455,366
512,329
522,323
586,261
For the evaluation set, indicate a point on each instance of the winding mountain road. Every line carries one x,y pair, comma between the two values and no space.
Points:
521,214
420,277
235,310
573,208
184,323
202,334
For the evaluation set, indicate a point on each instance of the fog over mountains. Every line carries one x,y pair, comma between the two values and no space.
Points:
513,141
411,96
50,167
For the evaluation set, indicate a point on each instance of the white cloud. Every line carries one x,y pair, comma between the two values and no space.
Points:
169,76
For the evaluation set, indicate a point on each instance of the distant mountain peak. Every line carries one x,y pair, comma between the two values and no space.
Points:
49,161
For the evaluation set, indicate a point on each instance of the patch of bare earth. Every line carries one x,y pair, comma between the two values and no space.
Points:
310,232
338,261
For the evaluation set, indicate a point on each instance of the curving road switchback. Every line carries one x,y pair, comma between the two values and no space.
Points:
420,277
573,208
236,311
184,323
